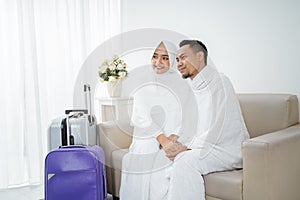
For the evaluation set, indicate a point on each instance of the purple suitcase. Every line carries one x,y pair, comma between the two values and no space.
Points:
75,173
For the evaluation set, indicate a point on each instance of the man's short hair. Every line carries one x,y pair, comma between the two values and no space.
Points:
196,46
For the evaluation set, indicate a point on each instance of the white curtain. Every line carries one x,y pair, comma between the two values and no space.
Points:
42,46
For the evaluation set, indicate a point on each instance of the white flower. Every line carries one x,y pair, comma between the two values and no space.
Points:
112,78
122,74
112,70
120,66
111,66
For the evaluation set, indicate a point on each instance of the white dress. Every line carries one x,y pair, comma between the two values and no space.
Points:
145,162
157,109
159,113
160,102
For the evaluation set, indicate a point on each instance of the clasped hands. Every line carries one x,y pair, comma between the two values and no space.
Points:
171,146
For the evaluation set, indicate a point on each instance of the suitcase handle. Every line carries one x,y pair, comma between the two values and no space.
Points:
70,138
80,110
86,87
72,146
88,103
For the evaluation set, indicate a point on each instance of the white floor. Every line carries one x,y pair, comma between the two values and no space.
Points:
23,193
26,193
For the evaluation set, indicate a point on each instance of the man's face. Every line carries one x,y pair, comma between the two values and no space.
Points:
160,60
187,62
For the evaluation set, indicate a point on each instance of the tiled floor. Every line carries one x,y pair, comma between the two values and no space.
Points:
26,193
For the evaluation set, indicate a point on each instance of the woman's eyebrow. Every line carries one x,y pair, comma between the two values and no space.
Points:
160,54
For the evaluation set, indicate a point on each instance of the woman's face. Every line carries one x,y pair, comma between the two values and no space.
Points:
160,59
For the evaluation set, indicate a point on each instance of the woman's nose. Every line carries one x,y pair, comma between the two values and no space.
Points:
158,60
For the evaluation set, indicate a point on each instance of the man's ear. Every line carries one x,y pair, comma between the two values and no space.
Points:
200,56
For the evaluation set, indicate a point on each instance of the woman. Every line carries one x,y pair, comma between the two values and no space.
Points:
158,109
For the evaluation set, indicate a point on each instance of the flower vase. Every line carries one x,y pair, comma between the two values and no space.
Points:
114,88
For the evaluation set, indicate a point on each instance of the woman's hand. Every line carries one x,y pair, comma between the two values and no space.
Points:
164,141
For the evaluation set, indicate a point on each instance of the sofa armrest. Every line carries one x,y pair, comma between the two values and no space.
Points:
271,165
113,135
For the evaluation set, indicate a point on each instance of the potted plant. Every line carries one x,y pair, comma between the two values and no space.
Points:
113,72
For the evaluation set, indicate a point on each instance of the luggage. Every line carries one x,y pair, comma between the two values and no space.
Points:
82,126
75,173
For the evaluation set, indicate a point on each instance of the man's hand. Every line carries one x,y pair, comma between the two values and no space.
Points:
170,145
173,137
173,148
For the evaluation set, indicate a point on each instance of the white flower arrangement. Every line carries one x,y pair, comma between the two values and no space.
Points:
113,70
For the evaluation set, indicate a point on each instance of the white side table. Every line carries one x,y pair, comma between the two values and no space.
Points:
117,108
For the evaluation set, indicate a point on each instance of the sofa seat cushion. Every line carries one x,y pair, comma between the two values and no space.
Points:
224,185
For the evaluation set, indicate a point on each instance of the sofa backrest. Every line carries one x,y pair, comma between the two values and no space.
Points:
265,113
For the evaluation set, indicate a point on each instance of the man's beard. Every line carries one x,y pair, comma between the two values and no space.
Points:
186,76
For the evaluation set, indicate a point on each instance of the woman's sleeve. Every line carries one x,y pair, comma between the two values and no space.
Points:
146,119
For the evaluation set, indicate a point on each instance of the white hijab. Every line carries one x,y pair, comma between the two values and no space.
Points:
164,104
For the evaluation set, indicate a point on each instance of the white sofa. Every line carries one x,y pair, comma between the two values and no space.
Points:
271,158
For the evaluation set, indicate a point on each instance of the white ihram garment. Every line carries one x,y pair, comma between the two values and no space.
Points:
217,146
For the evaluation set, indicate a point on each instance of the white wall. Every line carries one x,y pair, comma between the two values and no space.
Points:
255,43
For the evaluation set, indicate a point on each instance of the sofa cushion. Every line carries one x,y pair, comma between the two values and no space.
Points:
224,185
265,113
113,136
211,198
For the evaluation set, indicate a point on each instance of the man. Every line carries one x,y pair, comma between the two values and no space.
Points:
221,128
